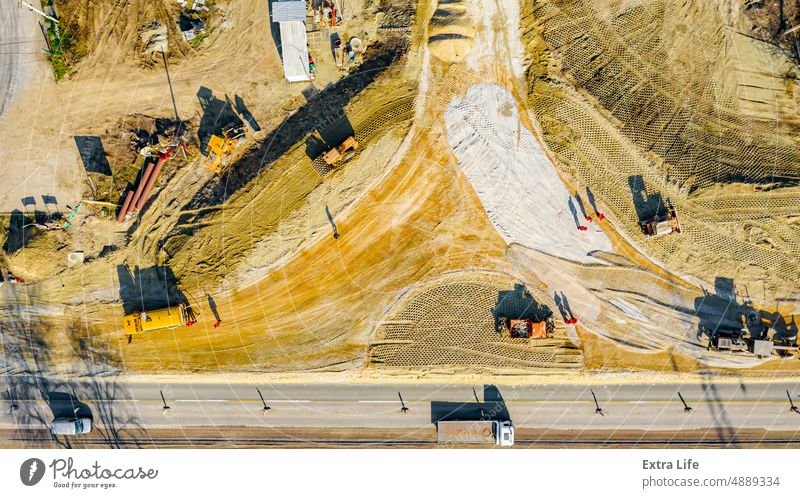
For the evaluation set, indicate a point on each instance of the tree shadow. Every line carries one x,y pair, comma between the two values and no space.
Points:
143,289
723,427
493,407
35,396
518,304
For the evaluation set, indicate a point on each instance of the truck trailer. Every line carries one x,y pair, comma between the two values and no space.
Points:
139,322
495,432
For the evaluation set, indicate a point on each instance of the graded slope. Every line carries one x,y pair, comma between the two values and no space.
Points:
518,185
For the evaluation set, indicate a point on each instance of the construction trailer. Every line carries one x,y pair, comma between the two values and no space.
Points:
291,18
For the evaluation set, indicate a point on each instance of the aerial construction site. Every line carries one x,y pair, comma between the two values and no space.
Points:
392,189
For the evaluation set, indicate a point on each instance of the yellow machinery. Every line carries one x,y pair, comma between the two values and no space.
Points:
341,152
139,322
219,150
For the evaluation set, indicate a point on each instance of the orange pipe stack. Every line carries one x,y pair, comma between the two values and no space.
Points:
125,206
151,180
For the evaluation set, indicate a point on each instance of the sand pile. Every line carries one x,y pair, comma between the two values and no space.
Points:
518,186
451,33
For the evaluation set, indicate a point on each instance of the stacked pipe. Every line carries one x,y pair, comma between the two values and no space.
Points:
133,199
162,158
125,206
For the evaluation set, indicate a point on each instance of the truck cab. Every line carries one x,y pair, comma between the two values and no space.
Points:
505,433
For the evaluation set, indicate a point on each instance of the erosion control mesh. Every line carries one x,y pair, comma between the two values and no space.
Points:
451,322
643,102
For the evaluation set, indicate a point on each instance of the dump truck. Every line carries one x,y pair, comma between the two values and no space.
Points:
140,322
341,152
663,224
496,432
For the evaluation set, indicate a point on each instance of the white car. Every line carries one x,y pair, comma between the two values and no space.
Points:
66,426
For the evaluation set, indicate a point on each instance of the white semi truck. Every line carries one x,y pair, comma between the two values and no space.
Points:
498,433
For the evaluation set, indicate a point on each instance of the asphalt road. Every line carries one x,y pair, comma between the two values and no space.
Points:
20,48
138,405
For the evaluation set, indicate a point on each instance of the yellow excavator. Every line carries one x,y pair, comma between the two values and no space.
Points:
220,148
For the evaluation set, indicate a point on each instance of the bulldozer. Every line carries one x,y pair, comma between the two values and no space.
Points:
220,148
341,152
662,224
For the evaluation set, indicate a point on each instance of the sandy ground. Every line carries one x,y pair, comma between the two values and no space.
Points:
302,301
517,184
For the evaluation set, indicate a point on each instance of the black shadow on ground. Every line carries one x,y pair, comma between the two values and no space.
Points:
213,306
64,404
721,314
592,201
647,206
275,30
332,131
245,113
518,304
574,212
148,288
493,407
291,131
93,154
16,237
218,116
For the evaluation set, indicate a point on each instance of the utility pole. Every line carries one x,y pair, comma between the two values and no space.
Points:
792,406
172,94
686,408
597,409
266,408
34,9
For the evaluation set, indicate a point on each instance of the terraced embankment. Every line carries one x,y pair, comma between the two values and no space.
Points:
658,103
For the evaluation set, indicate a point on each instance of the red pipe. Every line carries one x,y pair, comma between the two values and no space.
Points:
125,205
162,158
139,188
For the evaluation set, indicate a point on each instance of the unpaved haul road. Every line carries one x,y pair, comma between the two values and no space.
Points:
718,408
20,49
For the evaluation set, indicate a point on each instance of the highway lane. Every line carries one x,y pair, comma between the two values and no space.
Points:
21,42
129,404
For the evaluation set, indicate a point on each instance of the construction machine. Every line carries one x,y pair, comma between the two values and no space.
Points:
341,152
220,148
662,224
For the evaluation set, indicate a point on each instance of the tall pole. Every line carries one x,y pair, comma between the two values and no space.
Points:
34,9
172,94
